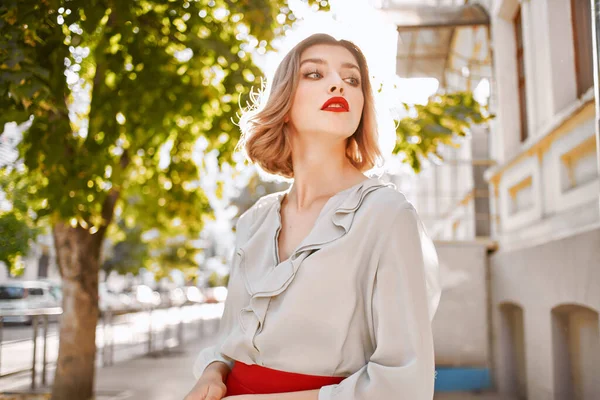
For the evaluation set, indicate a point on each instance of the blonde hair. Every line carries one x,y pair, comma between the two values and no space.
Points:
264,135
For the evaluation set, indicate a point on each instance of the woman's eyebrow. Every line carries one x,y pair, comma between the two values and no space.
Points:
322,62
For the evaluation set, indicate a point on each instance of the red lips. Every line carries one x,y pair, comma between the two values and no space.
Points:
336,104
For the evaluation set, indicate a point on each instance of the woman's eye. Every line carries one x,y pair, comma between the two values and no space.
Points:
313,75
317,75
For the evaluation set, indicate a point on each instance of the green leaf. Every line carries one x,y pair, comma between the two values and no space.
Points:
440,121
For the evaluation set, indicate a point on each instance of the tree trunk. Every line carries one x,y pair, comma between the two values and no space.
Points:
78,254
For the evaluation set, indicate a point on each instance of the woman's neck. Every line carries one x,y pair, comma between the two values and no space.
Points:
321,169
319,180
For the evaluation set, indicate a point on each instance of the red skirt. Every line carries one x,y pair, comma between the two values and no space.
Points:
254,379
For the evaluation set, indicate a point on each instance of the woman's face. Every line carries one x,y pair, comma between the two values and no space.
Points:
329,98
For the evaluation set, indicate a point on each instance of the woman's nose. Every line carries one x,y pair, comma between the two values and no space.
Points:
334,88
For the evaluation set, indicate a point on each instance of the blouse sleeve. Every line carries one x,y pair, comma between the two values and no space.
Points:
406,294
213,353
208,355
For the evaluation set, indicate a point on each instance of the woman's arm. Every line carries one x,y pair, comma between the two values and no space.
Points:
405,296
213,354
303,395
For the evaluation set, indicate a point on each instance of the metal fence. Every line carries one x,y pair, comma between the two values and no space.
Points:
120,334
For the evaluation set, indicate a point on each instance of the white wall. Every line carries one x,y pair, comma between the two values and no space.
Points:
540,278
460,326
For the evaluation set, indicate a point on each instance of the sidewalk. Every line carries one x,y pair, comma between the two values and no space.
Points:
167,377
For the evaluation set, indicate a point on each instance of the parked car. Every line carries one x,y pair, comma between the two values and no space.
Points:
109,300
165,298
146,296
55,289
216,294
177,297
194,295
130,299
24,295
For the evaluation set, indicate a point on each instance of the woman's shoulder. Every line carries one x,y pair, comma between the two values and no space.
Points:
259,210
374,202
386,201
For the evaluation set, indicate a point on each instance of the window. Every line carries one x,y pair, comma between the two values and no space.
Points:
56,292
521,74
11,293
36,292
581,12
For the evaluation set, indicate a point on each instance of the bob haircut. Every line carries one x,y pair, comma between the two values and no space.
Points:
264,132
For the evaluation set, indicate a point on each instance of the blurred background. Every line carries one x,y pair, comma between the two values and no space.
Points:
120,183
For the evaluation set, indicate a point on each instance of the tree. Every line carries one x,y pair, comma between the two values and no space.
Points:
437,123
129,254
16,235
121,95
17,230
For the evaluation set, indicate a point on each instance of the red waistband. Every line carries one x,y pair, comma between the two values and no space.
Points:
255,379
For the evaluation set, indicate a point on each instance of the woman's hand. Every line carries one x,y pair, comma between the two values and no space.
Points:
210,385
208,388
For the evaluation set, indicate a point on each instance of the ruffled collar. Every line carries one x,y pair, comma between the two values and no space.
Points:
338,224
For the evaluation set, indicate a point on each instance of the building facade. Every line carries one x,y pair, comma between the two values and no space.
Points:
545,276
528,185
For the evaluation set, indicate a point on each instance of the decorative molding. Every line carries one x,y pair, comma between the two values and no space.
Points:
561,126
577,153
522,185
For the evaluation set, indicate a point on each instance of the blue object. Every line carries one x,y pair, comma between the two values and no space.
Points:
452,379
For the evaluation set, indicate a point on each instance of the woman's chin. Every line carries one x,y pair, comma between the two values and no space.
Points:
332,130
342,130
341,133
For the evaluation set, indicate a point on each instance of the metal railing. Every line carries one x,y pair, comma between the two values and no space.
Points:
34,313
173,335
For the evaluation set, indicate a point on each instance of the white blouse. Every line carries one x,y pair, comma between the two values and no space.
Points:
354,300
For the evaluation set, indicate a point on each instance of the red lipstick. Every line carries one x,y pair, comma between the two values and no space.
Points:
336,104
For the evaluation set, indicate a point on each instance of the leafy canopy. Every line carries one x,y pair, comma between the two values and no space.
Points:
124,98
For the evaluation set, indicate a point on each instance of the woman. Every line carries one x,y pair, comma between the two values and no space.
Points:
333,282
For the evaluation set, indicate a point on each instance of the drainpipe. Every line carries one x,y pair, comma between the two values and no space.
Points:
596,51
